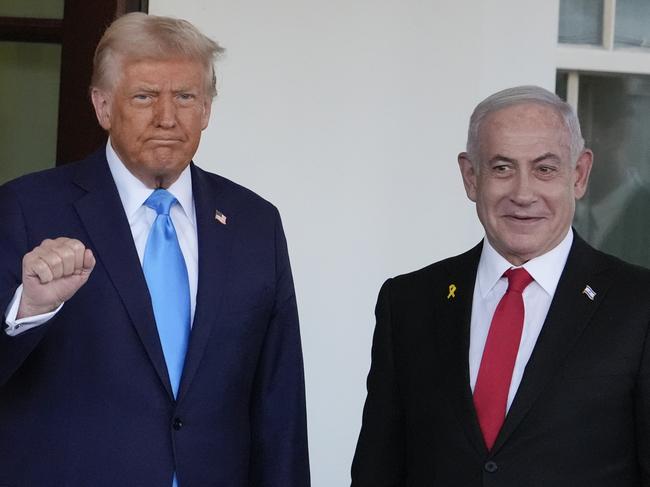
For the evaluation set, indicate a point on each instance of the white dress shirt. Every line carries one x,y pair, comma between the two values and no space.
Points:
133,193
489,288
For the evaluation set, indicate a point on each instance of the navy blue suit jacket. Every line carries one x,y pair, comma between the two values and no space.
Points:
85,399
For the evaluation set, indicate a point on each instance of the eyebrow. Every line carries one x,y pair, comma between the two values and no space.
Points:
499,157
543,157
145,88
548,155
156,89
184,89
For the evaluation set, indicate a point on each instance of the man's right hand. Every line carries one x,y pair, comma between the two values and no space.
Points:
52,273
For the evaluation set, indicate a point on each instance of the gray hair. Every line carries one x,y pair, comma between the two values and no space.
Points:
521,95
137,36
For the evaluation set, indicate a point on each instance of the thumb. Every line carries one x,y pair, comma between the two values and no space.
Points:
89,262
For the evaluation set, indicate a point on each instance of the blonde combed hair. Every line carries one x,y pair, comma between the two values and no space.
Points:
137,36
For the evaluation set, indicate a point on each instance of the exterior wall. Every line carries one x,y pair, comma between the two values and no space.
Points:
349,115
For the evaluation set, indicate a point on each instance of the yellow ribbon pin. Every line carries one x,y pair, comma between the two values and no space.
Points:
452,291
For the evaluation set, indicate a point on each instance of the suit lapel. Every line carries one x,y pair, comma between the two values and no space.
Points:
569,314
102,214
453,327
214,243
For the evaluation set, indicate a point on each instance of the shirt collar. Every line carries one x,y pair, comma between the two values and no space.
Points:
134,192
545,269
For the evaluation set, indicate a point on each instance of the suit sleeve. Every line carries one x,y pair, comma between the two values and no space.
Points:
279,454
379,457
14,245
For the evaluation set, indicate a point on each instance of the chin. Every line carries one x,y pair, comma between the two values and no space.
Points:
524,248
167,163
164,156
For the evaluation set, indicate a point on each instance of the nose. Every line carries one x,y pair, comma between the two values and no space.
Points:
165,112
523,190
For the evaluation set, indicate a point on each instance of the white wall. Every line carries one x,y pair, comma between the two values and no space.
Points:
348,115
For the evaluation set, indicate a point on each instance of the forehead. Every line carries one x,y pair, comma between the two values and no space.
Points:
532,126
161,72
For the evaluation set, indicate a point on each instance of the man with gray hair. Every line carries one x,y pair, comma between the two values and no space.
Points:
150,330
524,362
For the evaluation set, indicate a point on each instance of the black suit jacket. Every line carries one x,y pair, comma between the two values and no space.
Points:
85,399
581,416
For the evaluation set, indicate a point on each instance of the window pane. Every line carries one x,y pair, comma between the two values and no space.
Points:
581,22
52,9
561,80
632,23
29,83
614,216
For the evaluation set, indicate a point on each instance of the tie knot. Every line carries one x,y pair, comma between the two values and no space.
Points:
518,279
160,200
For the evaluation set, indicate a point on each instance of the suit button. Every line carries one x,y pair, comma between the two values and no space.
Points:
177,424
491,467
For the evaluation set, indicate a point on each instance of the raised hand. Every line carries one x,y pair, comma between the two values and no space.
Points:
52,273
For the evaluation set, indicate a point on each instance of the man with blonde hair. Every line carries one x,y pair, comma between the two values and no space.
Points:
151,333
525,361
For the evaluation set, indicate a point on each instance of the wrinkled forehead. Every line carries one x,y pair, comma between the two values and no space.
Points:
124,59
125,64
530,114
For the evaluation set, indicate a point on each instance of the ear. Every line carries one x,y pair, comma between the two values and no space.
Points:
207,109
470,177
581,173
102,104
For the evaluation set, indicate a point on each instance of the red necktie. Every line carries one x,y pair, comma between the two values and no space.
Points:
499,354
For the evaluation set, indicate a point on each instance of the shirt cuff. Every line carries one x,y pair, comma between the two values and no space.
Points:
16,327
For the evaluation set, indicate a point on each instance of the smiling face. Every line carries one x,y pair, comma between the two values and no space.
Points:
154,115
523,183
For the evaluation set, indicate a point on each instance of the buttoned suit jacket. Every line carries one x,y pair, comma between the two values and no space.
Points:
85,399
581,415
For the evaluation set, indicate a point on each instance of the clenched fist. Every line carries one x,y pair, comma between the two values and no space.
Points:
52,273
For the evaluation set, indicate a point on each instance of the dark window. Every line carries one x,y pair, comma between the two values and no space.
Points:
46,59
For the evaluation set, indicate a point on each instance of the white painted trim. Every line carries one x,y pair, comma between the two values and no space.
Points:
572,89
584,58
609,23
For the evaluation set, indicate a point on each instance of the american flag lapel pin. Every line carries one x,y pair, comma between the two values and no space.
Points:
220,217
591,294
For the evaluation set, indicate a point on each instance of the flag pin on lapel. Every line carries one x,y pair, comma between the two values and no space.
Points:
452,291
591,294
220,217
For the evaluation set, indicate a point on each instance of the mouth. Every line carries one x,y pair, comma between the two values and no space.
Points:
164,140
523,219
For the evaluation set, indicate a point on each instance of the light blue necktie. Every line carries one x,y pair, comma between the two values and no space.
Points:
166,275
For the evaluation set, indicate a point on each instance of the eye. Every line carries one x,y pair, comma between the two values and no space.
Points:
546,170
502,169
186,97
142,98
